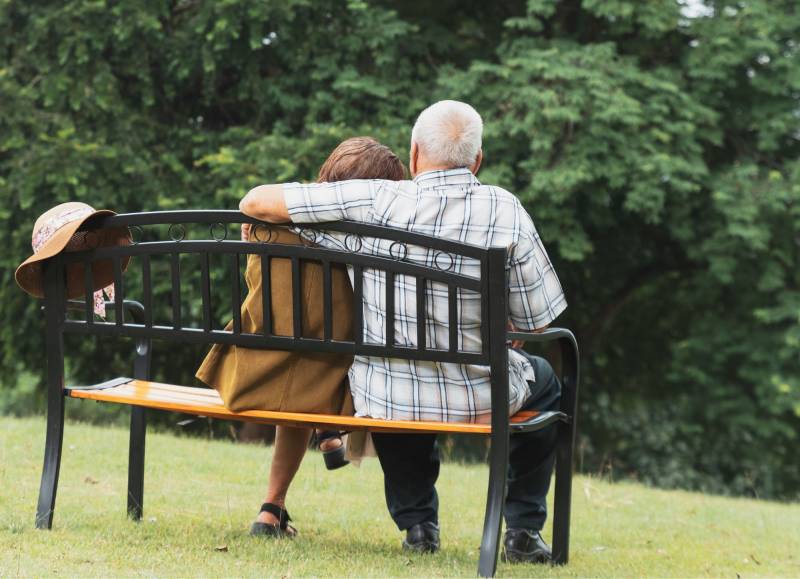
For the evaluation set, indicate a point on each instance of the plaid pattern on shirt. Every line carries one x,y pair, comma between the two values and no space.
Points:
449,204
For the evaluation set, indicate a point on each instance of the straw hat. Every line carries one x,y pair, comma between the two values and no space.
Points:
57,230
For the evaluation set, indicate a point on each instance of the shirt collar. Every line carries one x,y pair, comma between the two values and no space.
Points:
446,178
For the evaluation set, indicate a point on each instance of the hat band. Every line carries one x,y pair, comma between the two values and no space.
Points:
46,231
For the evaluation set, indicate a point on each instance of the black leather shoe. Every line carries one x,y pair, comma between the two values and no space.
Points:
422,538
524,546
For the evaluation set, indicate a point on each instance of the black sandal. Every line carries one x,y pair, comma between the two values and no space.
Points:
279,531
335,457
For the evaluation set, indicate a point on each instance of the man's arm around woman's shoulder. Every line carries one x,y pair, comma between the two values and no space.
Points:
267,203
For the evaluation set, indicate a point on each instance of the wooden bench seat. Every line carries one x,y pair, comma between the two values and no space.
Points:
206,402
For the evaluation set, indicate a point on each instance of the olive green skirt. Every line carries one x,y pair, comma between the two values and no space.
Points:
253,379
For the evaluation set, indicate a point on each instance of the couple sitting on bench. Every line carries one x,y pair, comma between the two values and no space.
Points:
364,181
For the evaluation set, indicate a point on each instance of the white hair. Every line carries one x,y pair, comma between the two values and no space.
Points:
449,133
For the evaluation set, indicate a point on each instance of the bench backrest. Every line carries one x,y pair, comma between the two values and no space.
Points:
220,240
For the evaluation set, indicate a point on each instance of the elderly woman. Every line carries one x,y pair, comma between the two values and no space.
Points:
249,379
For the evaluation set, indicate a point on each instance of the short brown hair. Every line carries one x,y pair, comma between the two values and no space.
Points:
361,158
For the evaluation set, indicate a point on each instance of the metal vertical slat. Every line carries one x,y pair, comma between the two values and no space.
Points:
236,294
297,301
421,323
88,293
485,305
147,290
119,293
205,290
358,297
389,308
175,267
266,295
452,317
327,301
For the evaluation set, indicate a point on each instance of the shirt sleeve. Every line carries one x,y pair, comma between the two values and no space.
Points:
535,294
320,202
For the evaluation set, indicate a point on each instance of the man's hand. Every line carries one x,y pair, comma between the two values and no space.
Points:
266,203
517,344
245,232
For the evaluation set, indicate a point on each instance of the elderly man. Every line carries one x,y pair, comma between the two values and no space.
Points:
444,199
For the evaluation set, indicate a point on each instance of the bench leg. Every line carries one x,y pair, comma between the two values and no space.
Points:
138,432
498,474
563,494
52,463
564,450
136,462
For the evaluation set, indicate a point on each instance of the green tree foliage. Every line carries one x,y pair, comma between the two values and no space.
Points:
655,145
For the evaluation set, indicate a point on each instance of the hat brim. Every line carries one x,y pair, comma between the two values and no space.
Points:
29,273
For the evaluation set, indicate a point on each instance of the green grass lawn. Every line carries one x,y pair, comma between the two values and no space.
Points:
200,497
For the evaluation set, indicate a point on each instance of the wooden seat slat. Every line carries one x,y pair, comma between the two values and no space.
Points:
206,402
202,395
134,392
199,402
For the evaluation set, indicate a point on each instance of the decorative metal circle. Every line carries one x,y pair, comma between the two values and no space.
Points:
400,253
214,229
307,236
137,234
177,232
438,263
254,233
352,246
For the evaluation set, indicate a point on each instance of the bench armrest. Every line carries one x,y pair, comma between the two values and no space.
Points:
547,335
134,308
143,345
570,362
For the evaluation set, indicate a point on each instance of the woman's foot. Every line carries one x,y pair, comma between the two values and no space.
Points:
332,447
273,521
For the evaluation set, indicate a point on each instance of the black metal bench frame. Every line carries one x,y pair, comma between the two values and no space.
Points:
492,286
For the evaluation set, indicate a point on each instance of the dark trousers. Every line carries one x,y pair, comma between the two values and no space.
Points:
410,464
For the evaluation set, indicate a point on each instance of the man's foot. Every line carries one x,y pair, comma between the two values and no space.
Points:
422,538
525,546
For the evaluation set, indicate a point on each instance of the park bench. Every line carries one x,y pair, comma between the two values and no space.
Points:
134,319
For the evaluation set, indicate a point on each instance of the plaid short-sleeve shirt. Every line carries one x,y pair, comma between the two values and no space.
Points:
450,204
